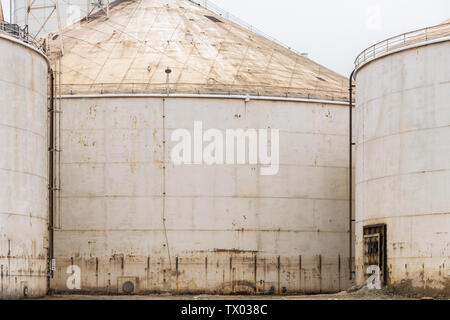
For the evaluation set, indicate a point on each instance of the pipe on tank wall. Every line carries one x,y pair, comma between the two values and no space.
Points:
51,150
350,170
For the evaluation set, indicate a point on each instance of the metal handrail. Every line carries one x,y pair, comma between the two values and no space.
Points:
210,89
401,41
20,33
207,4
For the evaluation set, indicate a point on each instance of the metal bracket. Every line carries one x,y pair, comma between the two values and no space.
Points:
53,4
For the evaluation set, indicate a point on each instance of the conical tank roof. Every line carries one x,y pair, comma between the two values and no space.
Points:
131,50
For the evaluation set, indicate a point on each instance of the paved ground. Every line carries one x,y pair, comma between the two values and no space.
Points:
339,296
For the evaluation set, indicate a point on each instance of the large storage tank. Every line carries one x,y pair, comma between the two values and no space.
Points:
23,167
403,160
130,220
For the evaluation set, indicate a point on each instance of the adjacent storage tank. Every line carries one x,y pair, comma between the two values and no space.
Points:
23,168
130,220
403,160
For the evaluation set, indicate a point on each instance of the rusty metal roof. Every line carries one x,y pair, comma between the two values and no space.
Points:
130,50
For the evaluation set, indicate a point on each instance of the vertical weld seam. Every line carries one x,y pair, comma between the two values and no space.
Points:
164,180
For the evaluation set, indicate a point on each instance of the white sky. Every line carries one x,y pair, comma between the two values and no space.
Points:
333,32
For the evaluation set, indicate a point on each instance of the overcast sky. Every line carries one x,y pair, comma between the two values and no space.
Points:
333,32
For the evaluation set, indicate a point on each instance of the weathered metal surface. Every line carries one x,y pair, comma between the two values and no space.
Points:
128,214
130,51
23,170
403,163
129,218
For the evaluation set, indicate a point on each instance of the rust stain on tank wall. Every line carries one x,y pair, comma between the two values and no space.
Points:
92,114
235,251
223,274
84,141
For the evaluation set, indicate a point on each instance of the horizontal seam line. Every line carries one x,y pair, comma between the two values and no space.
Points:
401,175
199,165
25,173
23,215
405,216
200,230
198,196
23,129
399,133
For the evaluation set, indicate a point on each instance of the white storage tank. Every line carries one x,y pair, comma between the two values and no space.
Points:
403,160
130,219
23,167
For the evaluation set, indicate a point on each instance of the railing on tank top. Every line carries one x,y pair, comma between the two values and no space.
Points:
22,34
203,89
402,41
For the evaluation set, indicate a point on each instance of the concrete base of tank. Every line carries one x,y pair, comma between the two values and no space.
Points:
21,283
412,288
216,273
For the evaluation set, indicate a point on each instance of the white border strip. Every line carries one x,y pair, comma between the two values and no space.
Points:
205,96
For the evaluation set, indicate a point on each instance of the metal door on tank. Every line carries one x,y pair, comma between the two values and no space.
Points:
375,248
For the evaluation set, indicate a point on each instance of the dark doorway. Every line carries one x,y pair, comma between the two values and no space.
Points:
375,249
